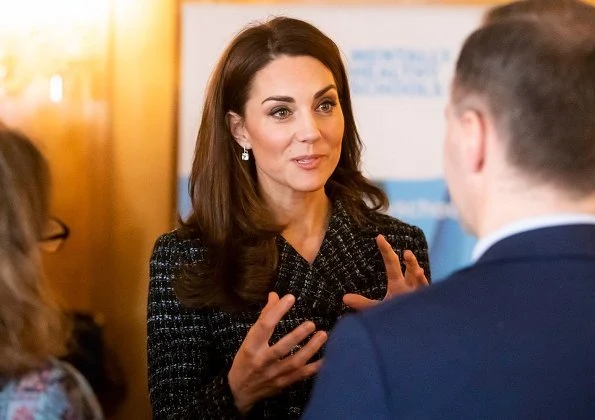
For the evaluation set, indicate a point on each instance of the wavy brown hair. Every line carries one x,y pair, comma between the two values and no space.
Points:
31,327
229,216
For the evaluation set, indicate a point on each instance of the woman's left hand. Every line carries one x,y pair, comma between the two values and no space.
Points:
397,283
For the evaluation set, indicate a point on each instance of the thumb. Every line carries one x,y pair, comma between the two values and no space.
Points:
358,302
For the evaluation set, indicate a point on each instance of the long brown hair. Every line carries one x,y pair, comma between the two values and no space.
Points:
31,327
228,215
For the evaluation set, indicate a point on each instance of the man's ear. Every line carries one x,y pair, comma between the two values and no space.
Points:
236,126
474,133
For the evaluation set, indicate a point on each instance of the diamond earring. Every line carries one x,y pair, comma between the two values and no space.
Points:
245,155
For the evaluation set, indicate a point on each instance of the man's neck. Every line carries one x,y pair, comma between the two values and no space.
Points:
504,209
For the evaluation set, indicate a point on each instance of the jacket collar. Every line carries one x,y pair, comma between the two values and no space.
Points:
576,240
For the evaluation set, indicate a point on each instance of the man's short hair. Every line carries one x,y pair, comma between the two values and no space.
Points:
532,64
568,10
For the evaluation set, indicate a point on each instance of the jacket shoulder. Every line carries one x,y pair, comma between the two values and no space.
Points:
176,248
386,224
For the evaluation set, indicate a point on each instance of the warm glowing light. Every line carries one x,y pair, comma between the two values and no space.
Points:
56,88
26,15
45,41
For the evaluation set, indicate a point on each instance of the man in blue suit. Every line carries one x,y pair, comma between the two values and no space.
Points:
513,335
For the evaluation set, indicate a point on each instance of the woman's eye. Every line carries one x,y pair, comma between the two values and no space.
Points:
280,113
326,106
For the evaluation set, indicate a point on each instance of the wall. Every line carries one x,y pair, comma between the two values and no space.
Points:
142,114
111,147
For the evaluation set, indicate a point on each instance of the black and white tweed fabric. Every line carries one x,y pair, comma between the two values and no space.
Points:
190,351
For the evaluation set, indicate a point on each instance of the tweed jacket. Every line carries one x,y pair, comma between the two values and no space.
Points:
190,351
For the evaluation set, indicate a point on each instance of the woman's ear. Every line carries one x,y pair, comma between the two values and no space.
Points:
236,126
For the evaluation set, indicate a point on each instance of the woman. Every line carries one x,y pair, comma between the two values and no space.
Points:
33,383
282,234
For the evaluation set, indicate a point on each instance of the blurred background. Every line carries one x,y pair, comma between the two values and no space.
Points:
96,83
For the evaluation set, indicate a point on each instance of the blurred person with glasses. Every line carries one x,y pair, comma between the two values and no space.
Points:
33,331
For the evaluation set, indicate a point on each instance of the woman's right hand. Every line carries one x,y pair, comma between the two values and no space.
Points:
260,370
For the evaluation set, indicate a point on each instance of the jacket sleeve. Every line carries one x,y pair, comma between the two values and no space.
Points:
350,383
182,384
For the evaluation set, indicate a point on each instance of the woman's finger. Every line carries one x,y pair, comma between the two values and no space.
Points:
299,375
272,298
414,274
282,347
263,328
307,351
301,358
307,371
390,258
358,302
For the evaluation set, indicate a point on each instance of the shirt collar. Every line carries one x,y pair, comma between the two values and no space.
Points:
528,224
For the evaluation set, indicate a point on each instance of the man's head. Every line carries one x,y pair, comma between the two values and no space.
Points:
522,107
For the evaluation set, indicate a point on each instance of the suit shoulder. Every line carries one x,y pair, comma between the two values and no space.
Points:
426,307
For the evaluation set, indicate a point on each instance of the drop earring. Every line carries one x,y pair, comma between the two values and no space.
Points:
245,155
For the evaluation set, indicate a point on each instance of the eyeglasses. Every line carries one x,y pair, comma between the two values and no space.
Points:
56,233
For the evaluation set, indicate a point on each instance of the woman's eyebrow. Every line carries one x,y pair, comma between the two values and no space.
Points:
291,100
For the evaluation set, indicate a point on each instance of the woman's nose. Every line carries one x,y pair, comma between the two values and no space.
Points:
308,130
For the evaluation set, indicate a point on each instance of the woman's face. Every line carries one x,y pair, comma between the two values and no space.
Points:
294,125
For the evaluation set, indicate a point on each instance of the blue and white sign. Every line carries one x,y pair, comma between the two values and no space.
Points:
400,61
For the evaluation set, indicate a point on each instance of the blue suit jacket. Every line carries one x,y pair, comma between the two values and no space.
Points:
511,337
